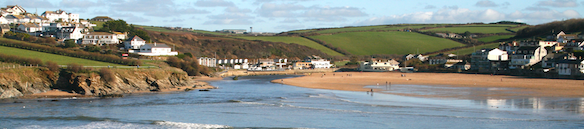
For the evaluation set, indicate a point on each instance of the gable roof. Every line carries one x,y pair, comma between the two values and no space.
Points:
135,37
100,33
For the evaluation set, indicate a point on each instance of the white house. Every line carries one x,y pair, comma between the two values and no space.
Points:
156,49
379,66
73,32
498,55
12,10
61,15
568,67
30,27
100,38
134,43
206,61
121,35
318,62
527,56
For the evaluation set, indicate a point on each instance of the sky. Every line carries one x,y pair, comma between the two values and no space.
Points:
285,15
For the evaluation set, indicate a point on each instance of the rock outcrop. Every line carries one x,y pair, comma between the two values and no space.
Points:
19,82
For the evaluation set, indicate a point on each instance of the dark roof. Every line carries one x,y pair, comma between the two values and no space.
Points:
135,37
568,61
528,48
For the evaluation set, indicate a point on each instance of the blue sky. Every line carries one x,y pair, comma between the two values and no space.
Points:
285,15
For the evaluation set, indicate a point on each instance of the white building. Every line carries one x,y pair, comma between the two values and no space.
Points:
568,67
379,66
206,61
100,38
498,55
73,32
527,56
30,28
53,16
134,43
156,49
318,62
12,10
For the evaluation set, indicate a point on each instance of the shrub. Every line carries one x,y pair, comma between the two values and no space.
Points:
52,66
107,75
76,68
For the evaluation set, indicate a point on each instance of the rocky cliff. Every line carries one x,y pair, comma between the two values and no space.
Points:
19,82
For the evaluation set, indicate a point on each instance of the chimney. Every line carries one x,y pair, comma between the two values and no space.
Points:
154,43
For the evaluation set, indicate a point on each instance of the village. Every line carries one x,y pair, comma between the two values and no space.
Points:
559,56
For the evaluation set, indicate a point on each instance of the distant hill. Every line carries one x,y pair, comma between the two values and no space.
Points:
568,26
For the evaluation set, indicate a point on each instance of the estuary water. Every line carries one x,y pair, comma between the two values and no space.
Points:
254,102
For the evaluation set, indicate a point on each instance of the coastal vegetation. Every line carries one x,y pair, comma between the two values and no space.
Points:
568,26
297,40
59,59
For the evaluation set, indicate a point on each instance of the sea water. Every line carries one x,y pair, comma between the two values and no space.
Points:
254,102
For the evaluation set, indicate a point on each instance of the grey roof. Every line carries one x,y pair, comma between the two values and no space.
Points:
4,26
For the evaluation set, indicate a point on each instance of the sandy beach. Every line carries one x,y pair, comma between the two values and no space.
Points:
506,86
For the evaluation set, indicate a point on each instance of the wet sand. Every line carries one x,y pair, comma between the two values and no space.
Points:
509,86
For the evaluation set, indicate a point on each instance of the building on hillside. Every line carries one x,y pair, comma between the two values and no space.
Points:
206,61
100,38
527,56
61,15
318,62
156,49
4,28
379,66
570,67
12,10
102,18
30,28
575,44
134,43
499,60
72,32
121,35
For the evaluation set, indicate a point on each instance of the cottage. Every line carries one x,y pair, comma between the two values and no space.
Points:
121,35
102,18
206,61
12,10
156,49
570,67
301,65
527,56
318,62
480,61
61,15
30,28
73,32
100,38
134,43
379,66
4,28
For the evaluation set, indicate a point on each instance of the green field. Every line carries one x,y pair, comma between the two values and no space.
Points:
61,60
494,38
470,50
518,28
98,25
368,43
297,40
472,29
208,32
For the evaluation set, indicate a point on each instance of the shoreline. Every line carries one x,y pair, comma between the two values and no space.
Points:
58,94
508,86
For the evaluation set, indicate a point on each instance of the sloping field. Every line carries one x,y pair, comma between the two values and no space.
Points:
472,29
518,28
470,50
61,60
297,40
368,43
494,38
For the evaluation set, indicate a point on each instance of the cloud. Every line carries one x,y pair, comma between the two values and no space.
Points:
175,20
214,3
290,20
314,13
558,3
486,3
128,17
155,8
467,15
289,27
430,7
79,4
229,19
537,9
237,10
257,2
30,3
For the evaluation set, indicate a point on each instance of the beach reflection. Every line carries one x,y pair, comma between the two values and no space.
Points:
490,98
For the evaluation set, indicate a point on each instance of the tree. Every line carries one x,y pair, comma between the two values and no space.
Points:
115,25
52,66
91,48
69,43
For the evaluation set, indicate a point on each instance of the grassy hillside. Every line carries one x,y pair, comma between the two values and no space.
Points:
470,50
297,40
473,29
61,60
494,38
368,43
367,28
